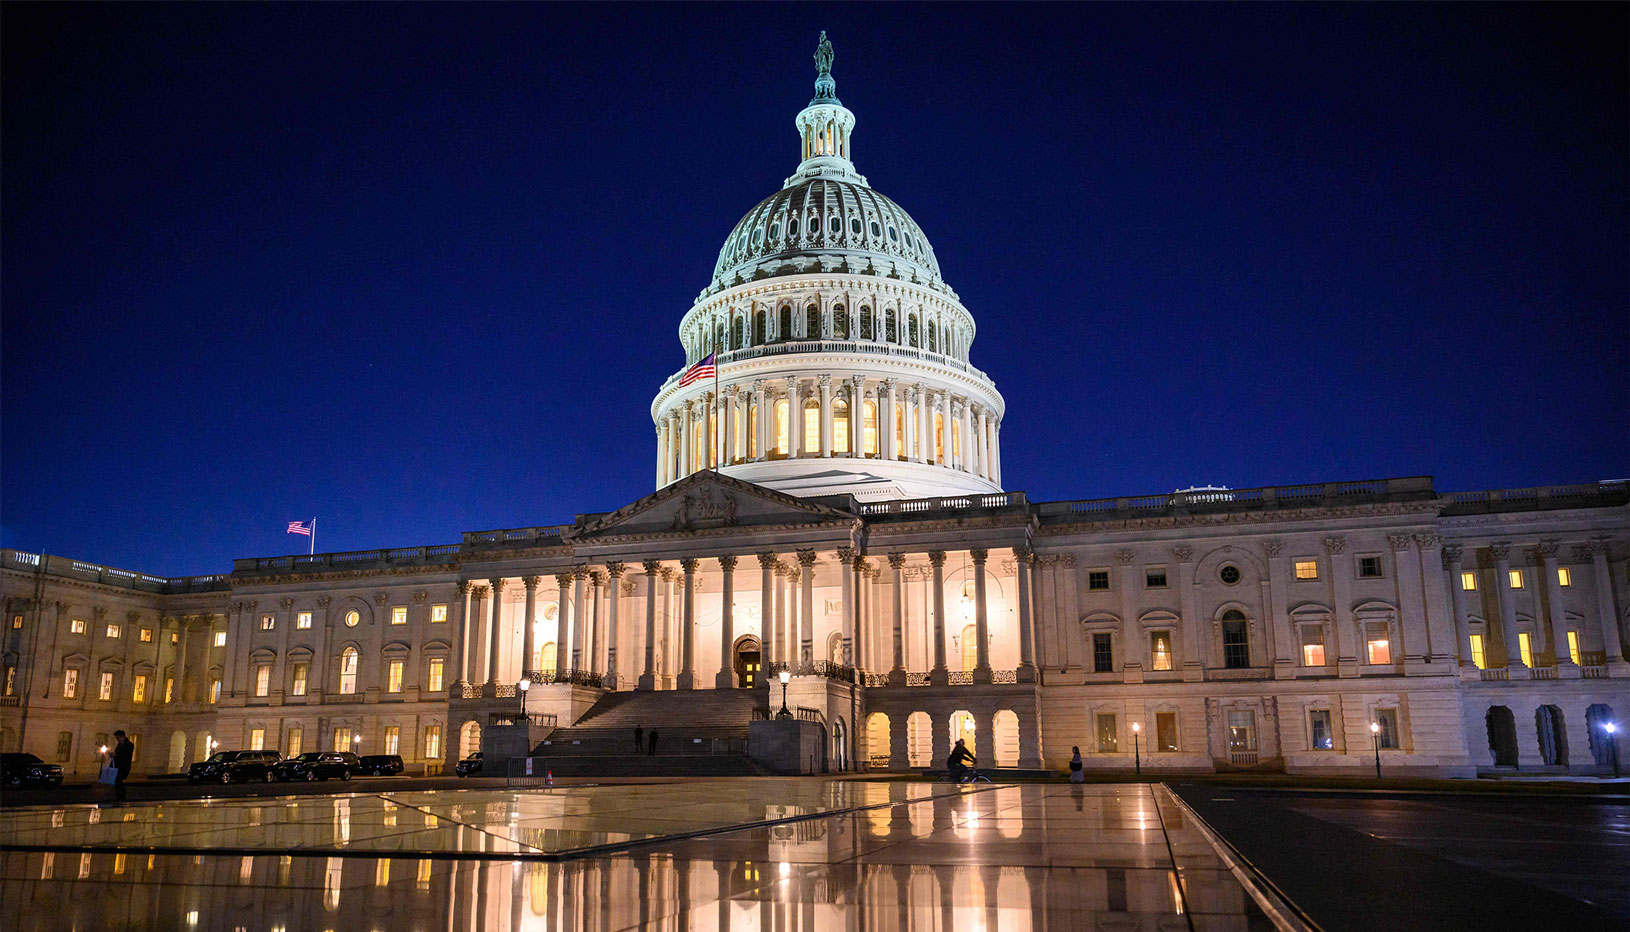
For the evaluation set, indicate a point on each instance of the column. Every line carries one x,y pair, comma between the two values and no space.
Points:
1440,626
1463,630
648,674
1607,614
528,649
1501,552
996,451
885,422
795,418
1411,600
687,449
710,407
461,630
1131,633
925,426
825,382
494,618
1284,640
1556,628
1026,673
897,675
857,415
687,631
478,612
855,651
726,678
940,675
846,561
806,606
1341,580
662,455
984,443
615,572
766,610
563,621
180,659
966,422
579,630
1193,670
761,400
727,427
597,622
782,643
981,670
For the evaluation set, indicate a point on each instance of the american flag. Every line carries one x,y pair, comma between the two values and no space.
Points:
299,527
702,370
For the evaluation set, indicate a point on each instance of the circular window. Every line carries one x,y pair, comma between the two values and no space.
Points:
854,226
1229,574
894,236
876,230
792,227
551,611
351,618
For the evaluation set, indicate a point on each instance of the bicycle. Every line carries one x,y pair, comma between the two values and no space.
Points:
973,776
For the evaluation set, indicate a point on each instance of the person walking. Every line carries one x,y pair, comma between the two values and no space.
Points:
651,746
639,738
1076,773
124,754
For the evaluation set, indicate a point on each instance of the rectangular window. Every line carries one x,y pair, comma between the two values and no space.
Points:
16,622
65,745
169,688
1160,650
76,626
1515,578
438,613
1563,576
1524,644
300,679
175,637
1307,569
214,690
342,739
393,739
1242,730
1573,647
1165,731
257,739
268,622
1377,642
1369,567
1319,735
263,679
394,683
1106,734
1312,645
1477,652
1236,644
146,636
1468,581
70,683
11,682
296,739
302,619
1154,577
1098,580
432,741
112,631
1387,737
399,615
220,639
138,688
1103,653
104,687
433,681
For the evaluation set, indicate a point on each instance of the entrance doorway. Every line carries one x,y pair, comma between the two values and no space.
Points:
1502,729
748,662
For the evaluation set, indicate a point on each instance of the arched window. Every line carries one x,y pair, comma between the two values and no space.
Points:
888,326
870,439
840,426
783,439
933,338
750,416
1236,640
547,657
956,438
812,426
900,452
970,647
761,323
911,331
348,671
939,437
812,323
721,340
784,325
840,322
866,331
741,332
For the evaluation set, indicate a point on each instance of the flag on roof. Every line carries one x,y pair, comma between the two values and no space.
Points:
702,370
299,527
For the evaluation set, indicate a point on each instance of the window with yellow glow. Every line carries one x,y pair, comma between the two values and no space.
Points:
1516,579
138,689
399,615
1573,646
433,680
146,636
783,439
113,631
1468,581
300,679
1377,642
840,427
870,436
76,626
296,741
751,429
812,426
393,740
939,438
1160,650
104,690
713,438
394,679
1563,576
970,648
70,683
1312,645
348,672
263,679
438,613
1478,660
220,639
215,690
900,432
548,657
432,741
1307,569
169,688
1524,643
342,739
956,438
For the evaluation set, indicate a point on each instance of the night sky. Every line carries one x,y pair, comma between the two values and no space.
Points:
418,270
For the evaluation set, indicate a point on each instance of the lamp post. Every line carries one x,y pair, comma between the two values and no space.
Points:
1137,756
785,677
524,685
356,743
1613,745
1375,738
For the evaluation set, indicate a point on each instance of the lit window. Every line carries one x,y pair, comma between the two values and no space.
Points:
870,438
352,617
432,741
1369,567
348,671
113,631
169,688
268,622
812,426
263,679
342,739
302,619
257,739
1307,569
1468,581
840,427
939,438
1160,650
220,639
1154,578
16,622
104,687
1563,576
783,437
214,690
1375,639
300,678
1573,647
393,740
433,681
393,683
1387,737
1242,730
1319,735
438,613
76,626
145,636
1165,731
1098,580
1106,734
70,683
11,682
1103,653
1516,579
297,737
399,615
175,637
138,688
1312,645
1525,646
1478,659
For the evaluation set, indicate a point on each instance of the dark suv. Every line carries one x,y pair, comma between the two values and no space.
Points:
319,765
468,765
19,770
380,765
234,767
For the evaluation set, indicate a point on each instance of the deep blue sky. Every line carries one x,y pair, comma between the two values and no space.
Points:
418,270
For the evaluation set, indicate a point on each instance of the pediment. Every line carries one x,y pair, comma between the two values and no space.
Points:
707,500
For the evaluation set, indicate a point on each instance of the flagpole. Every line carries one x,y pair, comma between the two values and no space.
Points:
313,549
718,416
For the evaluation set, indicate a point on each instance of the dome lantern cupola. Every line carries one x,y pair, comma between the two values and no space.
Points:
824,127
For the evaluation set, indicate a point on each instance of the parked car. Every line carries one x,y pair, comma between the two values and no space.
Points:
469,765
20,770
380,765
319,765
234,767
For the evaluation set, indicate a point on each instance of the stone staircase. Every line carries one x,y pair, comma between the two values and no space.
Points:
701,733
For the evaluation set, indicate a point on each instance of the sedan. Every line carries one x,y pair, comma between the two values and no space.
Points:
319,765
469,765
234,767
380,765
20,770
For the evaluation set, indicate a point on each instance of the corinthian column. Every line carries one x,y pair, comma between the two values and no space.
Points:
857,416
579,574
766,609
615,572
981,669
940,676
897,675
806,605
687,634
795,419
648,675
529,623
727,629
825,383
493,622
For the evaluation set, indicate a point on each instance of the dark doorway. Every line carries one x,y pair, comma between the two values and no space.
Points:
1601,743
1553,740
1502,727
749,669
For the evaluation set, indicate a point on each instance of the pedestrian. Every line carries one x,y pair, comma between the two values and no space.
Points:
124,754
639,738
651,746
1076,774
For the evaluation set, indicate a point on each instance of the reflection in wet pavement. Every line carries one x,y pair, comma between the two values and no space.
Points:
758,854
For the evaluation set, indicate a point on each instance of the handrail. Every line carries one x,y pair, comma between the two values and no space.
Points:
875,348
1293,496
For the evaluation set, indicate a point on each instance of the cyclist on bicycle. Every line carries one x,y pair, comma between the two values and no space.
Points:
958,763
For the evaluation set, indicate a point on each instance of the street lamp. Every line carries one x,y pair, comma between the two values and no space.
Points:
1613,745
356,742
1375,737
213,744
524,685
1137,756
785,677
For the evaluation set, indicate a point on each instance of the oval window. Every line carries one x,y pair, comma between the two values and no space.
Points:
792,227
351,618
1229,574
758,236
835,226
854,226
775,231
894,237
876,230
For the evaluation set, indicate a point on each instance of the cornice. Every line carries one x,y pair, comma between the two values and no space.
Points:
1223,519
287,578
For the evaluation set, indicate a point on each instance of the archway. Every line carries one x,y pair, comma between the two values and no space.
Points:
1005,732
1601,743
1502,729
965,728
1553,740
840,745
919,739
747,662
178,752
469,739
877,741
969,641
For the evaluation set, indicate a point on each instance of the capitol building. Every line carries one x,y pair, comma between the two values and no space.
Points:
830,504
